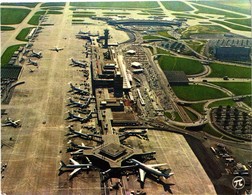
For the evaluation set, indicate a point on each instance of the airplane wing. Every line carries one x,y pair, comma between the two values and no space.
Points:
74,172
142,174
156,165
5,124
74,162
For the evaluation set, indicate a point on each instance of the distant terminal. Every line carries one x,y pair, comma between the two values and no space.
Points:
231,49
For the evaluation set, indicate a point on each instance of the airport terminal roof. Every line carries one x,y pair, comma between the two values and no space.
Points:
176,77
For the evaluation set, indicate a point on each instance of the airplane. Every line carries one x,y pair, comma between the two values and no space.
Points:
31,70
82,32
56,49
78,63
82,146
10,122
78,90
34,63
75,166
37,55
143,169
93,137
78,104
73,117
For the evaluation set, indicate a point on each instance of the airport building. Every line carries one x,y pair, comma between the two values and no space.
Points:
232,53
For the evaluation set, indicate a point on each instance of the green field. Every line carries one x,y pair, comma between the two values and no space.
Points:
208,10
7,28
233,26
195,45
197,92
23,34
244,21
234,5
176,6
35,18
220,70
192,116
222,103
13,15
117,5
52,8
151,37
53,4
82,15
162,51
165,34
248,101
5,58
236,88
203,29
172,63
189,15
199,107
30,5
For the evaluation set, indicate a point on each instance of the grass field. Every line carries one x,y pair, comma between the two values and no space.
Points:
172,63
82,15
222,103
117,5
151,37
35,18
195,45
192,116
52,8
13,15
207,10
244,21
234,5
30,5
220,70
162,51
248,101
236,88
53,4
197,92
233,26
23,34
203,29
189,15
176,6
7,28
165,34
199,107
5,58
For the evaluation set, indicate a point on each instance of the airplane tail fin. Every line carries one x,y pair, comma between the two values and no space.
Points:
167,173
62,165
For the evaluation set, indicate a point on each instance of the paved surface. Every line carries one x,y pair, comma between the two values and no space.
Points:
34,153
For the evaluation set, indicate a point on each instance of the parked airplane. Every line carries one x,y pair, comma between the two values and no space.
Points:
10,122
82,146
34,63
93,137
36,54
73,117
143,169
82,32
78,90
78,63
75,166
56,49
78,104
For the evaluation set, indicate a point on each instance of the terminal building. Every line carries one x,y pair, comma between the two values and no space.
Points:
232,53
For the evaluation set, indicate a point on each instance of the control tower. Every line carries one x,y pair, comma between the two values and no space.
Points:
106,37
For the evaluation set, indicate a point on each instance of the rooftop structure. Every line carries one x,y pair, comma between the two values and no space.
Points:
176,77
